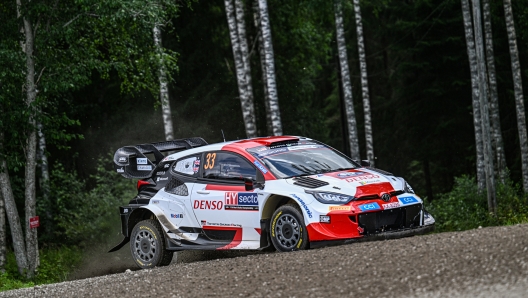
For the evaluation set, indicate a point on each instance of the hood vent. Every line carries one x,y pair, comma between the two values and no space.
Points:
309,182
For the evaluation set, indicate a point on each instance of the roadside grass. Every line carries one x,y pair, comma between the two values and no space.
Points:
464,208
56,263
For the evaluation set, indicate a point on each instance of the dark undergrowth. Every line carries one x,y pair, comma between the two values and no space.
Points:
466,208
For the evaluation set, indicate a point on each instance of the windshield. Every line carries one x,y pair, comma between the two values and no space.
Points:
301,159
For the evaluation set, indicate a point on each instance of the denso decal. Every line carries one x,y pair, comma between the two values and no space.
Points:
408,200
241,201
369,207
210,205
260,166
141,161
176,215
391,205
361,178
304,205
144,168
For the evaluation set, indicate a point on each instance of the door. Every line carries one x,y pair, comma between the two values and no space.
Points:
221,204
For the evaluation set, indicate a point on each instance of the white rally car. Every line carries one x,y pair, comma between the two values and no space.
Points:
291,193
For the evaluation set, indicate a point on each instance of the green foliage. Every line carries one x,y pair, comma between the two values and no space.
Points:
76,213
465,208
55,265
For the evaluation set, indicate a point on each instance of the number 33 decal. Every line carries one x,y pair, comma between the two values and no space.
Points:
210,160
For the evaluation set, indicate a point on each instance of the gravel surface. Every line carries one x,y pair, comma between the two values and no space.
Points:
489,262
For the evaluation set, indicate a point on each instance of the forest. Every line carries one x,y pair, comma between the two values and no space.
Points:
430,90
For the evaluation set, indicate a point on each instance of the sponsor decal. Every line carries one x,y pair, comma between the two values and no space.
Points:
123,159
176,215
274,223
162,179
220,224
120,170
368,181
367,177
340,208
241,201
304,205
350,174
272,151
408,200
208,205
160,173
391,205
260,166
125,210
166,166
324,218
361,230
369,207
155,202
141,161
144,168
300,147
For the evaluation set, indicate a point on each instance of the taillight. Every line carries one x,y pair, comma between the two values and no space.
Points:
141,183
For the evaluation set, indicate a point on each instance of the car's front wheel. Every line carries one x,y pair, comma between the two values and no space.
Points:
288,232
147,244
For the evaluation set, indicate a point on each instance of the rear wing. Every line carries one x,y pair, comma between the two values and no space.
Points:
131,162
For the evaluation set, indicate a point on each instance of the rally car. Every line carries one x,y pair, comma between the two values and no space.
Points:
288,193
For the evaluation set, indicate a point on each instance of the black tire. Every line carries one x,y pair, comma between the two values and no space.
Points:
147,244
287,229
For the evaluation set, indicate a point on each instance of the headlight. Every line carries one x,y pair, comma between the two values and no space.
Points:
330,198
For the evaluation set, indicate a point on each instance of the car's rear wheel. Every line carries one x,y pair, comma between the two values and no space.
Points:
288,231
147,244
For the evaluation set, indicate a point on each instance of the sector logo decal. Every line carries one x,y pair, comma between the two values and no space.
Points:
247,201
369,207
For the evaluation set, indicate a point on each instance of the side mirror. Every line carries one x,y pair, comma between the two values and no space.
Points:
251,184
365,163
248,183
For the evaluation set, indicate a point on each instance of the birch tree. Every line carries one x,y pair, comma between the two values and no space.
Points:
364,84
164,88
472,56
3,238
262,56
273,101
518,91
345,81
237,34
494,98
484,111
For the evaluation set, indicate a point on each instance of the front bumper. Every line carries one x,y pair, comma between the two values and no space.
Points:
379,236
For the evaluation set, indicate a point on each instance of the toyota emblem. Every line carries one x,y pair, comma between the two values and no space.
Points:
385,197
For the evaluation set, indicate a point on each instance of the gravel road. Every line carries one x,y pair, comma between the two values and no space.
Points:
488,262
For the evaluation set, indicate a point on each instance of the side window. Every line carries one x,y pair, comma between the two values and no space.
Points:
188,165
227,166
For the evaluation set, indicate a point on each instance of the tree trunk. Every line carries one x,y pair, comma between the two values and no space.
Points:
494,98
517,88
345,81
31,147
364,84
472,56
2,235
12,212
44,179
164,89
245,92
270,69
262,55
484,112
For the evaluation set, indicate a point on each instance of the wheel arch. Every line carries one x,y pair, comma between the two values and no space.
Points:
136,216
274,202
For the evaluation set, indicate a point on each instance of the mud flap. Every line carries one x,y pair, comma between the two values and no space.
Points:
264,236
117,247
